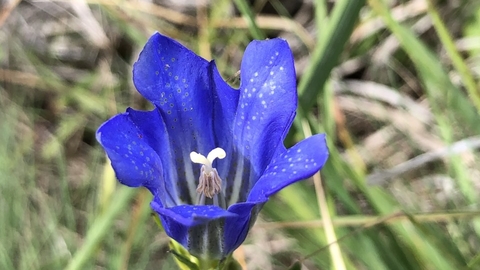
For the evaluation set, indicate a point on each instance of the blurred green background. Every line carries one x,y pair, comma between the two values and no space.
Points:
394,84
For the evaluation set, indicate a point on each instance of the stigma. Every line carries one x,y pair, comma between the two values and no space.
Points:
210,183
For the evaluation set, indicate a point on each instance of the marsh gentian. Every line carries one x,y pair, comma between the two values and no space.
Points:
210,154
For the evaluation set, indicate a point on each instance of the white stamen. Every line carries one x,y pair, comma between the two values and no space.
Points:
210,182
208,161
216,153
198,158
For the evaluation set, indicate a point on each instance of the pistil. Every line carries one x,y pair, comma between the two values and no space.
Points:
209,184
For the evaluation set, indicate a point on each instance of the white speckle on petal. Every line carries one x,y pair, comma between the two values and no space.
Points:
255,74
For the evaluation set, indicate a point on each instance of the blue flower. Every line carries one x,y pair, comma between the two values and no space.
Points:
210,154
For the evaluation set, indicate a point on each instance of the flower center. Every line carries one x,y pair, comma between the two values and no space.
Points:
210,183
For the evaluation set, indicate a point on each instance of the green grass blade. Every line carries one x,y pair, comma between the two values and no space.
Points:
100,228
250,18
457,60
326,55
436,81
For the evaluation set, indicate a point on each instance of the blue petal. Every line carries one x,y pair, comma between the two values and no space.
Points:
225,107
208,231
153,131
297,163
134,160
237,231
226,100
201,229
190,95
266,108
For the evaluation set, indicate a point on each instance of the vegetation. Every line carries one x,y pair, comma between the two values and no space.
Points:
394,84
